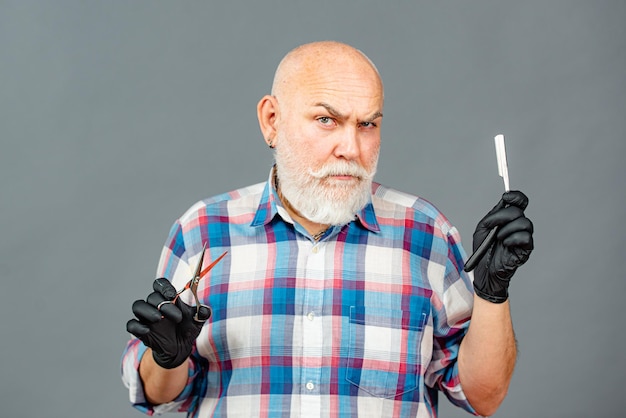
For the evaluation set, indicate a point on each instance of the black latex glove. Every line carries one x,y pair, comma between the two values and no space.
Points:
511,249
171,331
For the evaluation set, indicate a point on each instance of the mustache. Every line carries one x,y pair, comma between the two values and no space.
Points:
342,168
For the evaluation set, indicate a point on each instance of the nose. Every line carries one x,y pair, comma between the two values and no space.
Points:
348,146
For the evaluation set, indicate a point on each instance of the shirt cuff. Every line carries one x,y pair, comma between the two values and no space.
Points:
454,392
131,360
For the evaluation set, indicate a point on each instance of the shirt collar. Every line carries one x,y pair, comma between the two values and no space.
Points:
367,217
270,206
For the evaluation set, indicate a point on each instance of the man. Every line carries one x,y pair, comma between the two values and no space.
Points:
339,296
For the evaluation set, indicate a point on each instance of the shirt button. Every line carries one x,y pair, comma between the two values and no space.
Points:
310,386
311,316
315,250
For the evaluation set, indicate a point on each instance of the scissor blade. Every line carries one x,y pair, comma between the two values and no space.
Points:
210,266
200,260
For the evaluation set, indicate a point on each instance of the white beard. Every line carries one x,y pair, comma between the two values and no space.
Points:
318,197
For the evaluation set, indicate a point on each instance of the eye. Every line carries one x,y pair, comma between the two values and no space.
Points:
325,120
368,124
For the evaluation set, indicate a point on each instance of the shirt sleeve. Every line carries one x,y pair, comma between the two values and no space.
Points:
131,359
451,317
171,265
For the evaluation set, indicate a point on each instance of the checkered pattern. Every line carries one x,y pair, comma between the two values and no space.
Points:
366,322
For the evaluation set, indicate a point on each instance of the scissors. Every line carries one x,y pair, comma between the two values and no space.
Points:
195,279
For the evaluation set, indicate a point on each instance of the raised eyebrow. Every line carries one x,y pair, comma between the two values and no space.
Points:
375,116
337,114
334,112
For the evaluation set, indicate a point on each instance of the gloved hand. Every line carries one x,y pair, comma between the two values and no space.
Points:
511,249
171,330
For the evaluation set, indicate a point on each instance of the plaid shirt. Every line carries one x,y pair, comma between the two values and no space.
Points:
366,322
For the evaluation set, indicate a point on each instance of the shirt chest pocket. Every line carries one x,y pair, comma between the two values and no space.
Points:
384,352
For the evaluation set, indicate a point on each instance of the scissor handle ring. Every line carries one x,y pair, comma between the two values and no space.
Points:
195,317
165,302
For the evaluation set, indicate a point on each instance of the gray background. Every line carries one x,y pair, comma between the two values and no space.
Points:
116,116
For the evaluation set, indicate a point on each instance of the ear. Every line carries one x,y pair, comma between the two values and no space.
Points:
268,114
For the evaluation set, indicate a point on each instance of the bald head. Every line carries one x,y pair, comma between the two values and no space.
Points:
322,58
327,84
